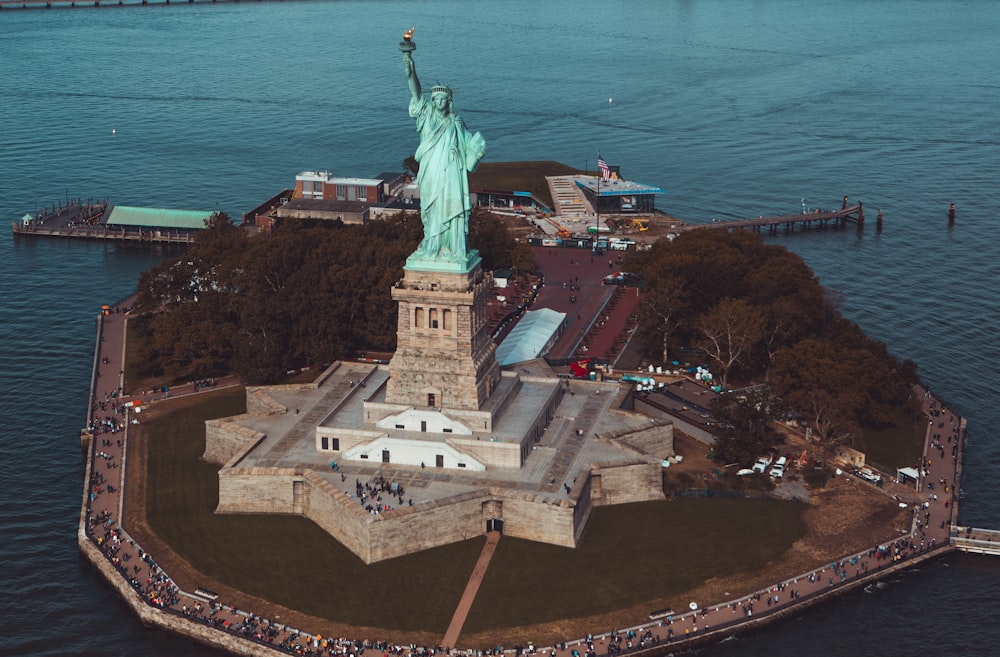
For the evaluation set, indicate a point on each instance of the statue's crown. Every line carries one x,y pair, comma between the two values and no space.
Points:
441,89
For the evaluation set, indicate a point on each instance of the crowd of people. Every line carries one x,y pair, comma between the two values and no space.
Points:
378,495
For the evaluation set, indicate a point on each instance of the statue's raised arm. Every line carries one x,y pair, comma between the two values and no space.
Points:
407,46
411,75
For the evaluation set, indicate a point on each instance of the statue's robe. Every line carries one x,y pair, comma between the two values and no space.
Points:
446,153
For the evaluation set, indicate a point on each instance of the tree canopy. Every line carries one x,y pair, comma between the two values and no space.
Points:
759,313
311,293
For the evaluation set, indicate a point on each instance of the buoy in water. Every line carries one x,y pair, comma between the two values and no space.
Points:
113,131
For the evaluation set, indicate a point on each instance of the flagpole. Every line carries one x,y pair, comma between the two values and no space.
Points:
597,213
597,205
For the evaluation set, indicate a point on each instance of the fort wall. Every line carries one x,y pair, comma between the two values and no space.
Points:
535,519
624,484
339,515
260,490
397,532
225,439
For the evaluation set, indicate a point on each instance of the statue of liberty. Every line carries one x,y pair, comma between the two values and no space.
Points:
447,152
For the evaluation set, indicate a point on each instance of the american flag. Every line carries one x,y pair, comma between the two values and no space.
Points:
605,171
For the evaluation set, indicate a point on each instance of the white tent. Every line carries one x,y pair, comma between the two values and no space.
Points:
532,337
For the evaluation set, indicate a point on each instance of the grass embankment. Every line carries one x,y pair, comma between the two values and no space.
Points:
520,176
640,554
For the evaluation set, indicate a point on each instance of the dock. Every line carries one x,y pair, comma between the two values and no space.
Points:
100,220
822,218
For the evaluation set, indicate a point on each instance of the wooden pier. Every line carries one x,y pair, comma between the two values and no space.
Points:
103,232
92,220
789,222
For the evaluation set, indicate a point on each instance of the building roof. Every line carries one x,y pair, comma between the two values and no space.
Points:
530,337
326,205
123,215
357,182
390,176
614,187
326,177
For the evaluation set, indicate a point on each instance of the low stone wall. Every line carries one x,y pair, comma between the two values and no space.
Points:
337,514
491,454
259,402
744,624
405,530
432,524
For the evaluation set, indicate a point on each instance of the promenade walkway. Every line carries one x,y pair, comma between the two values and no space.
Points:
131,570
150,591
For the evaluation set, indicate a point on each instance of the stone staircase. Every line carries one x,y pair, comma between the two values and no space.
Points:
567,197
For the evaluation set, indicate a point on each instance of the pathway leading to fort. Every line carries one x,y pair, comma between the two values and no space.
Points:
471,589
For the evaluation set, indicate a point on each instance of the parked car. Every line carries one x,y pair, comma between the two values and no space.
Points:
869,476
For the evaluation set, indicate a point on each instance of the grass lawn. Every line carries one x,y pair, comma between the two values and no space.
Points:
629,555
900,445
632,553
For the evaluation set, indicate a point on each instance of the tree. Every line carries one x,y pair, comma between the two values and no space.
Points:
411,166
745,419
309,294
661,308
730,330
830,418
785,321
496,245
830,385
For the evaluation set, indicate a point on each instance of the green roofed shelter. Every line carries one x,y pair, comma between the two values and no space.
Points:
158,218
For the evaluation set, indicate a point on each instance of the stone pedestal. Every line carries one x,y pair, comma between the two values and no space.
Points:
444,355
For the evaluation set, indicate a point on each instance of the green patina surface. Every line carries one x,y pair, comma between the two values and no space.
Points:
123,215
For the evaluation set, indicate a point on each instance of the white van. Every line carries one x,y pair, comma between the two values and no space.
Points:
778,469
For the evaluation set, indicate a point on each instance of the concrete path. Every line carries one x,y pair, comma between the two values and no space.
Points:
471,589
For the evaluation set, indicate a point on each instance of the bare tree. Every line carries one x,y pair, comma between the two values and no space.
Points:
663,307
730,330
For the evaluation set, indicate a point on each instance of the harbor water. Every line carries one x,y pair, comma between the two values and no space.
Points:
734,109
